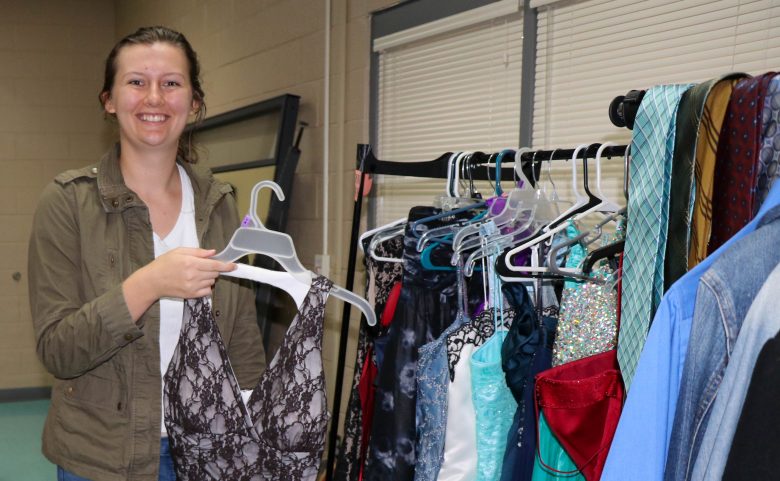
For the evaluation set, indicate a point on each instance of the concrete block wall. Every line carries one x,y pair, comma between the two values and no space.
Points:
51,55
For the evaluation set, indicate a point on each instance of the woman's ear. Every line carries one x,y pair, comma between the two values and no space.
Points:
108,104
196,104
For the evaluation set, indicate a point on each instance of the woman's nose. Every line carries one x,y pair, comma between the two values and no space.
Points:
154,96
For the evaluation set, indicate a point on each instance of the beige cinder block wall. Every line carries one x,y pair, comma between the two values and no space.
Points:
252,50
51,55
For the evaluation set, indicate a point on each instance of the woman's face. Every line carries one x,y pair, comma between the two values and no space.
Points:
151,96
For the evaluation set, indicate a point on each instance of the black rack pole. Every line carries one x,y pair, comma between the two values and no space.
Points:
540,156
362,151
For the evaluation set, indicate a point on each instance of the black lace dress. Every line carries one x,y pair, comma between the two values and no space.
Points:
279,434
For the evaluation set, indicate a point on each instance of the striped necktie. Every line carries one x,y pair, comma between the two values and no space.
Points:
648,211
733,194
706,154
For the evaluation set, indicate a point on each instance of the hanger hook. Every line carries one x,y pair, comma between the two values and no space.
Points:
255,195
487,171
498,191
599,152
519,163
585,168
574,157
470,171
626,163
456,175
462,173
533,170
549,170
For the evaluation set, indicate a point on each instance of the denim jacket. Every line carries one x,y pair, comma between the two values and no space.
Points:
725,294
761,324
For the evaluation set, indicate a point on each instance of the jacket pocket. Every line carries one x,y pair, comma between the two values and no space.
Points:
92,390
91,424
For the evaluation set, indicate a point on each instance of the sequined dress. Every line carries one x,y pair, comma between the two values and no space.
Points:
588,317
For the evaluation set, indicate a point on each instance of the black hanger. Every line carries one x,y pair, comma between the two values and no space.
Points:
606,252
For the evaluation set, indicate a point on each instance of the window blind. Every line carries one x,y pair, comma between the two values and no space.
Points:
459,90
590,51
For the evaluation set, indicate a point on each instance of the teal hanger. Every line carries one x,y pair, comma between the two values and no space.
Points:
425,256
500,156
444,234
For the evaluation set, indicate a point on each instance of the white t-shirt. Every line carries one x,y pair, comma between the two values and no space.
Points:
183,234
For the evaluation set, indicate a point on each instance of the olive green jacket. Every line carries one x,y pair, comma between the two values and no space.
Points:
89,233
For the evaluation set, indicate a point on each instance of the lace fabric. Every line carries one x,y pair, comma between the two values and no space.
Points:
475,333
459,458
279,433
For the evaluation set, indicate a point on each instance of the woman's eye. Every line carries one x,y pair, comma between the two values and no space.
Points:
135,82
172,83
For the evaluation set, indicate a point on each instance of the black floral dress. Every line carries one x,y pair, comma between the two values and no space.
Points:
279,434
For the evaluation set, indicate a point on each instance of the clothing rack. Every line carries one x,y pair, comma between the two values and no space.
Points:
531,162
623,108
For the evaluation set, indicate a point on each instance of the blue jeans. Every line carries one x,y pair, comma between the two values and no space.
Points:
166,467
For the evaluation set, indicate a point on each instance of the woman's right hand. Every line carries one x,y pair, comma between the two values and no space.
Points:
184,272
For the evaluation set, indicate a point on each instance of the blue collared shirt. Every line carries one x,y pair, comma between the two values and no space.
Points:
641,440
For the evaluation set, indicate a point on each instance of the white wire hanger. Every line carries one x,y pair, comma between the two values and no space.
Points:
252,237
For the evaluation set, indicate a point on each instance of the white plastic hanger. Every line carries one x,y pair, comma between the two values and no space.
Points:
516,199
281,279
548,234
437,232
580,199
381,234
255,238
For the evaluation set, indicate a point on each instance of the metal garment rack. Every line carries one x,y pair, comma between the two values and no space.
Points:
437,169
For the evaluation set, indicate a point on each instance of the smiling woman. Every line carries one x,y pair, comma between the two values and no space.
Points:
189,76
115,248
152,95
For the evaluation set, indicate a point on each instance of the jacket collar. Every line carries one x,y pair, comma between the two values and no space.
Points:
116,196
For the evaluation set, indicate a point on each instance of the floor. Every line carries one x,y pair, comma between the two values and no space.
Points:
21,424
